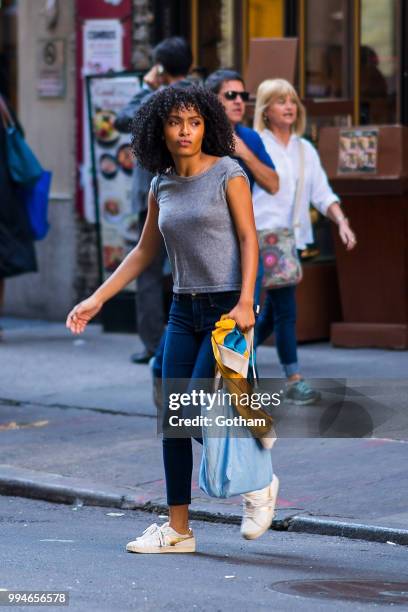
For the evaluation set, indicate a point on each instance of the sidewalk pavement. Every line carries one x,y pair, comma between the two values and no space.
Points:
77,425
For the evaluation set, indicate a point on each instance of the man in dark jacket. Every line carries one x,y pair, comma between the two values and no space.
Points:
172,60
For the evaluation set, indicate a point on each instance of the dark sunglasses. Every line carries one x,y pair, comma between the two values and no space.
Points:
231,95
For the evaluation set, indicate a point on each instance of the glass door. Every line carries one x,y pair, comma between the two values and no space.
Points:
327,49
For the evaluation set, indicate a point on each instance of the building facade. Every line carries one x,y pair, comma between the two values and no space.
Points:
351,69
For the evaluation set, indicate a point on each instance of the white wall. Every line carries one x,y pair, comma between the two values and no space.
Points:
50,130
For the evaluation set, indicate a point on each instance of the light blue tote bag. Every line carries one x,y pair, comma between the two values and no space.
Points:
233,461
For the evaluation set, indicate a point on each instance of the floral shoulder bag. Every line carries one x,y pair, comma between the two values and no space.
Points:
281,264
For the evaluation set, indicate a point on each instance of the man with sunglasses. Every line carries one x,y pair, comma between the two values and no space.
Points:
249,148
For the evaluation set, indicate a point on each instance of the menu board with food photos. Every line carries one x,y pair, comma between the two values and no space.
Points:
113,161
358,151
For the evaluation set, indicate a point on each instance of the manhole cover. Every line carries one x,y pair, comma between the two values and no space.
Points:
347,590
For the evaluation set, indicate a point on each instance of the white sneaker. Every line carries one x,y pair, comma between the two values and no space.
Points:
162,539
259,510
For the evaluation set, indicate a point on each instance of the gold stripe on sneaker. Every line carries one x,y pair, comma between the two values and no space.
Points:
176,540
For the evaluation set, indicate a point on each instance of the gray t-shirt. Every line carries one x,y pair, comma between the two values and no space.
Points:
198,229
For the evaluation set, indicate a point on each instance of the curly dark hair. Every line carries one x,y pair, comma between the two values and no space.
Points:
148,144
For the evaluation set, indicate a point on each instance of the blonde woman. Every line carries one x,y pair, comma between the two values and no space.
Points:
280,119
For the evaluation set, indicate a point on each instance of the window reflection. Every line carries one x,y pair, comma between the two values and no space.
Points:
378,60
327,55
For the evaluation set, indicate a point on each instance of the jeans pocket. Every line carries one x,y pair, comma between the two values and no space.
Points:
224,300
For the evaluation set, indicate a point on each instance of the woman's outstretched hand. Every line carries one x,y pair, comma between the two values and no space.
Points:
82,313
243,315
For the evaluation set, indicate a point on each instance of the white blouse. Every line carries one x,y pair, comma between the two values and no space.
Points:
276,211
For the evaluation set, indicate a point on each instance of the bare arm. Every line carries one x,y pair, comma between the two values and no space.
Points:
326,201
266,178
138,259
240,204
131,267
347,236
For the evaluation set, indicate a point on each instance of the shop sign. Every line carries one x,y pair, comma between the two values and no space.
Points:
51,68
358,151
102,46
112,166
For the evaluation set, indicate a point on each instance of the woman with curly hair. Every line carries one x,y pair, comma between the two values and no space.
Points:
200,201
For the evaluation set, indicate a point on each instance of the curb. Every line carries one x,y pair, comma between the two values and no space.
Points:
21,482
357,531
55,488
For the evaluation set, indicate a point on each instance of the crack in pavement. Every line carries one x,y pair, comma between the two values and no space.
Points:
11,402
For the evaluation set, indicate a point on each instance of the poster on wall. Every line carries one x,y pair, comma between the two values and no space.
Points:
112,165
102,46
358,149
51,68
102,53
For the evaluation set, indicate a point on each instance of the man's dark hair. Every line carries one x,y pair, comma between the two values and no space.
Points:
216,79
148,143
174,54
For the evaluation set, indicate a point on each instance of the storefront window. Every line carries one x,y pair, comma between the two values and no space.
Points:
378,62
327,49
8,50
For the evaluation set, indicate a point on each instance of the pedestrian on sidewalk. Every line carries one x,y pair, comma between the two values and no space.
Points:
280,120
17,253
172,60
249,151
201,201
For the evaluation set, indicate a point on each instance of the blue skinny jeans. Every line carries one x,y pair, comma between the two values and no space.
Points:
188,355
278,315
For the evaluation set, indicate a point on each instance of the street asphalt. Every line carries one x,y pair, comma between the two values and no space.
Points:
81,551
77,422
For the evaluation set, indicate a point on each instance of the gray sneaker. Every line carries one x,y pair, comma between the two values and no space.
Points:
300,393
